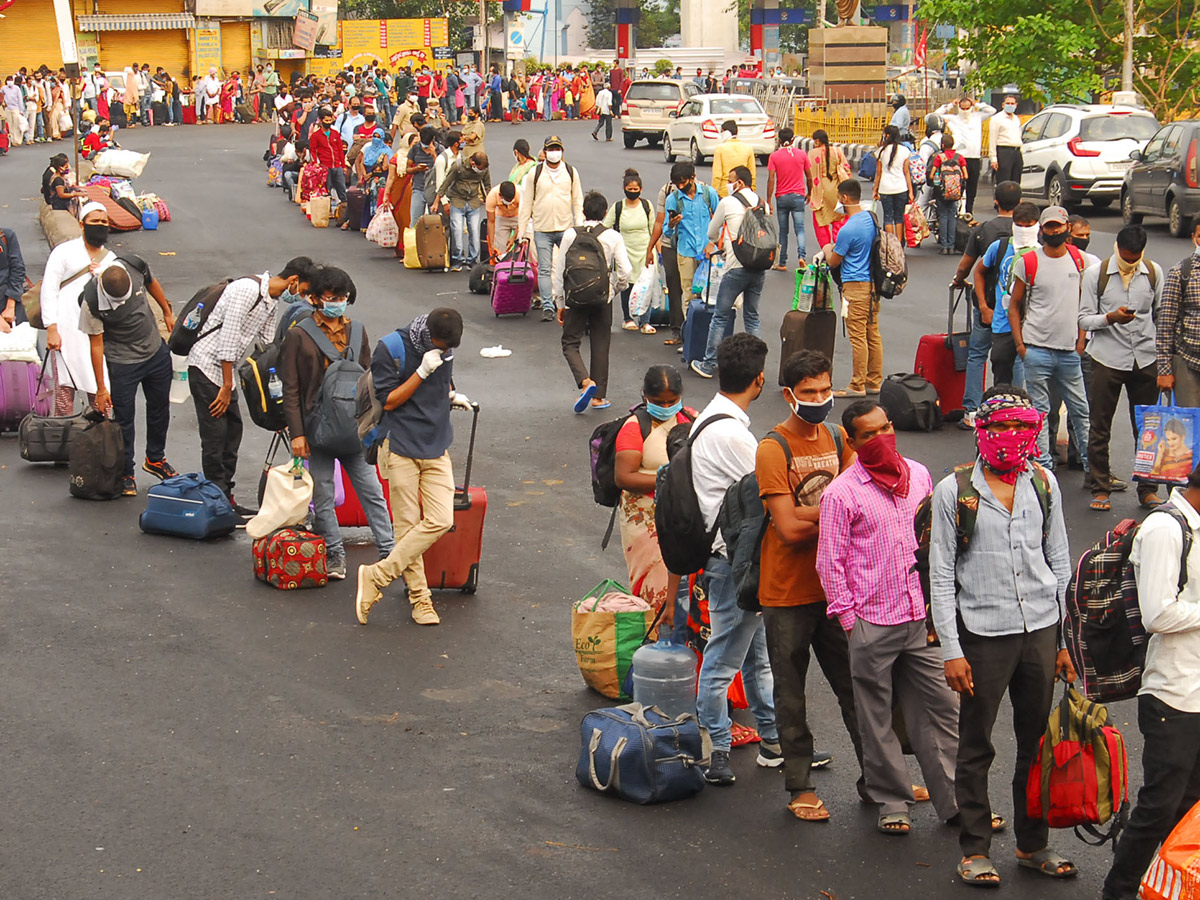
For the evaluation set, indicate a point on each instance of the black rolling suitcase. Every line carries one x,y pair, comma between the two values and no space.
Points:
356,202
158,113
813,330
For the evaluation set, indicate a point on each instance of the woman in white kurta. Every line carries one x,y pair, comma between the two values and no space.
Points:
62,287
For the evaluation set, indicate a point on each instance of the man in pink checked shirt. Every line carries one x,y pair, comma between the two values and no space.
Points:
865,561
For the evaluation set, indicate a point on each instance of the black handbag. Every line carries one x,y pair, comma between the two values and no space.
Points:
47,438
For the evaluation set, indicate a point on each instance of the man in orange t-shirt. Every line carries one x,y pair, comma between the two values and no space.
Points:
791,483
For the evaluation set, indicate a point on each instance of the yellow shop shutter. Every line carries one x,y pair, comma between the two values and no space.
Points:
29,37
235,47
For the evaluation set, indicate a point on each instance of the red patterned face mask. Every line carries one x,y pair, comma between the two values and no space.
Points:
1007,453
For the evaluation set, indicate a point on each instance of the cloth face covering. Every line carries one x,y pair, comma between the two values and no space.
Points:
418,330
1007,453
884,464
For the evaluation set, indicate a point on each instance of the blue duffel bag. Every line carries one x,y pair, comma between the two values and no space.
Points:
637,753
188,506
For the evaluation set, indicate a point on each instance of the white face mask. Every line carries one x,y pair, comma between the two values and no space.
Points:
554,157
1025,235
1196,250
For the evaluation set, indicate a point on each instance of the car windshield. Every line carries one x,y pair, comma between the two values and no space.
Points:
1118,128
652,91
724,106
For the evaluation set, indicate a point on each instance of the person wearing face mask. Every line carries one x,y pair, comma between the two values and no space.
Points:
1044,316
633,218
523,162
55,189
794,465
98,139
730,153
349,121
326,147
993,278
551,202
723,452
1004,143
245,314
1177,342
865,562
901,116
309,348
641,450
998,596
964,119
474,131
465,189
402,119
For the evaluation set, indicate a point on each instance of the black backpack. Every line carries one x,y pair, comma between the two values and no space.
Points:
585,270
685,541
96,459
757,239
911,402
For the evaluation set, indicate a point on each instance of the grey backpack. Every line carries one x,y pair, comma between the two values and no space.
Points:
332,426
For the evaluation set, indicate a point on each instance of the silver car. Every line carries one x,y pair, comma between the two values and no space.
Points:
695,130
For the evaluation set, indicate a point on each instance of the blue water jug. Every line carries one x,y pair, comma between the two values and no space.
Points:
150,219
664,675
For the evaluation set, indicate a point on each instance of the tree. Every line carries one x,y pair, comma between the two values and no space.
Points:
660,20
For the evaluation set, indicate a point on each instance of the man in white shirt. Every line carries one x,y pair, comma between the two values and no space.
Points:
737,280
723,452
604,111
551,202
583,313
964,119
1169,699
1004,143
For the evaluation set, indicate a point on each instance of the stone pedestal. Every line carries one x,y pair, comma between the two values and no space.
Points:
848,63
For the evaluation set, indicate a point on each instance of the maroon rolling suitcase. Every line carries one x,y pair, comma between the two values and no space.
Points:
942,358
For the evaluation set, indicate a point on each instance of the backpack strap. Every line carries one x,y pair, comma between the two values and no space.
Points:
1076,257
1031,267
1102,284
966,506
1041,485
1178,516
394,342
324,344
836,433
699,428
742,200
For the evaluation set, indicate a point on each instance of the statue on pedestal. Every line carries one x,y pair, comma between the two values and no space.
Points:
847,11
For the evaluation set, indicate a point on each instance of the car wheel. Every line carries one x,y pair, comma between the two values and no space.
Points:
668,155
1102,202
630,140
1057,192
697,156
1177,223
1127,214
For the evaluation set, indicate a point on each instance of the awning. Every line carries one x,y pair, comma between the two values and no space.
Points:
137,22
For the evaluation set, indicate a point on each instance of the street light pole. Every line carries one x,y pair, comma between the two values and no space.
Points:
1127,60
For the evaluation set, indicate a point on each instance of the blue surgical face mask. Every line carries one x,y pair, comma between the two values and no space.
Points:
662,413
812,413
332,310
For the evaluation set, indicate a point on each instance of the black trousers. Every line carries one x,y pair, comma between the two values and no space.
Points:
1104,392
596,323
1004,357
1170,787
604,122
1023,666
154,378
675,302
220,438
973,167
1009,163
792,631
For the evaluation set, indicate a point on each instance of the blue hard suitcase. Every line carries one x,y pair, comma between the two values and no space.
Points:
695,330
641,755
188,506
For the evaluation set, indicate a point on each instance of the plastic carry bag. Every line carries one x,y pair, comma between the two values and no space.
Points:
121,163
642,297
19,344
1168,442
383,229
288,493
1175,872
607,626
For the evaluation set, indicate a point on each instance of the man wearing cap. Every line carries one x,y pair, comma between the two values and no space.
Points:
1044,314
551,202
115,313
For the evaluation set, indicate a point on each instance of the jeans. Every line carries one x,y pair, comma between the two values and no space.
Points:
154,378
947,213
1042,366
749,284
544,243
1170,787
337,184
893,208
289,182
220,439
738,642
39,126
460,216
145,101
790,208
416,207
366,487
978,347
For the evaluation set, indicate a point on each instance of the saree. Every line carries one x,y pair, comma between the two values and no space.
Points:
639,537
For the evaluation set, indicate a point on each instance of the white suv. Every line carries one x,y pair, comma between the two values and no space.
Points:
695,131
1074,152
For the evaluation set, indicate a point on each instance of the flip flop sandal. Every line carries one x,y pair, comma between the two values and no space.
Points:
585,397
1150,501
740,735
630,326
999,823
920,794
807,811
649,329
605,405
1048,863
673,342
975,871
890,824
1100,504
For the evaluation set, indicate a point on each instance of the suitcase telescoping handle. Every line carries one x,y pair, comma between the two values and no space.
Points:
466,486
957,295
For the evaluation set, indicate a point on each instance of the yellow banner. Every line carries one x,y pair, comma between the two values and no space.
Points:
394,43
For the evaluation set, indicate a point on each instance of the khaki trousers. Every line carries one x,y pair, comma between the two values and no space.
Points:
862,327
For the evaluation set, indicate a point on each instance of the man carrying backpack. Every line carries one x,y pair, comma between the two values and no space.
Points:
551,202
320,352
1169,699
995,269
999,564
590,268
744,276
947,173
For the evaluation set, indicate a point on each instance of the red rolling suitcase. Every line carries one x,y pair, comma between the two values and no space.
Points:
942,358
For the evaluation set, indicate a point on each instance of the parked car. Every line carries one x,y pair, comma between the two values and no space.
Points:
1164,179
1077,152
647,103
695,130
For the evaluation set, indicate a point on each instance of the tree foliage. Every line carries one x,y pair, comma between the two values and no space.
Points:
660,20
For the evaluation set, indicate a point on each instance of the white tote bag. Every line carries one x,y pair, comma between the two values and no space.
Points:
285,502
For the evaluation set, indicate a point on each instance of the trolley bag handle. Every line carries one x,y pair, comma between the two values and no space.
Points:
952,308
614,762
46,362
466,485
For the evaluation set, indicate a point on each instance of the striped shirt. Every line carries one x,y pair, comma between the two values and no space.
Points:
1005,583
1179,319
866,546
249,311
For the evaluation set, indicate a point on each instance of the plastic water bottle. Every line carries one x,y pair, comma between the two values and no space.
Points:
664,675
179,379
192,322
275,386
806,283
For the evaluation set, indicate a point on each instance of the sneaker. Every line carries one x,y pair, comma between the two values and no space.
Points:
456,268
821,759
718,771
335,568
160,469
967,422
423,613
700,369
366,597
770,755
128,486
549,316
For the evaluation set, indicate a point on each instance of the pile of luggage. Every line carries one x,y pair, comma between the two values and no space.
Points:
112,185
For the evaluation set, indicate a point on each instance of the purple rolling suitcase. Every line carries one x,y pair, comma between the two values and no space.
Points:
19,394
513,283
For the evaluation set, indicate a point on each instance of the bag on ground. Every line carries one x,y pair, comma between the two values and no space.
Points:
319,211
642,295
188,506
290,559
1168,442
383,229
96,459
911,402
121,163
285,499
607,626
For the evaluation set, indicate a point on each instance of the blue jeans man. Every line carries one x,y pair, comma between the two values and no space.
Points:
544,243
738,643
470,218
978,348
336,182
1063,368
144,103
790,208
947,213
738,280
370,494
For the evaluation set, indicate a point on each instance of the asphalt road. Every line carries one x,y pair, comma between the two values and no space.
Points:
173,728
